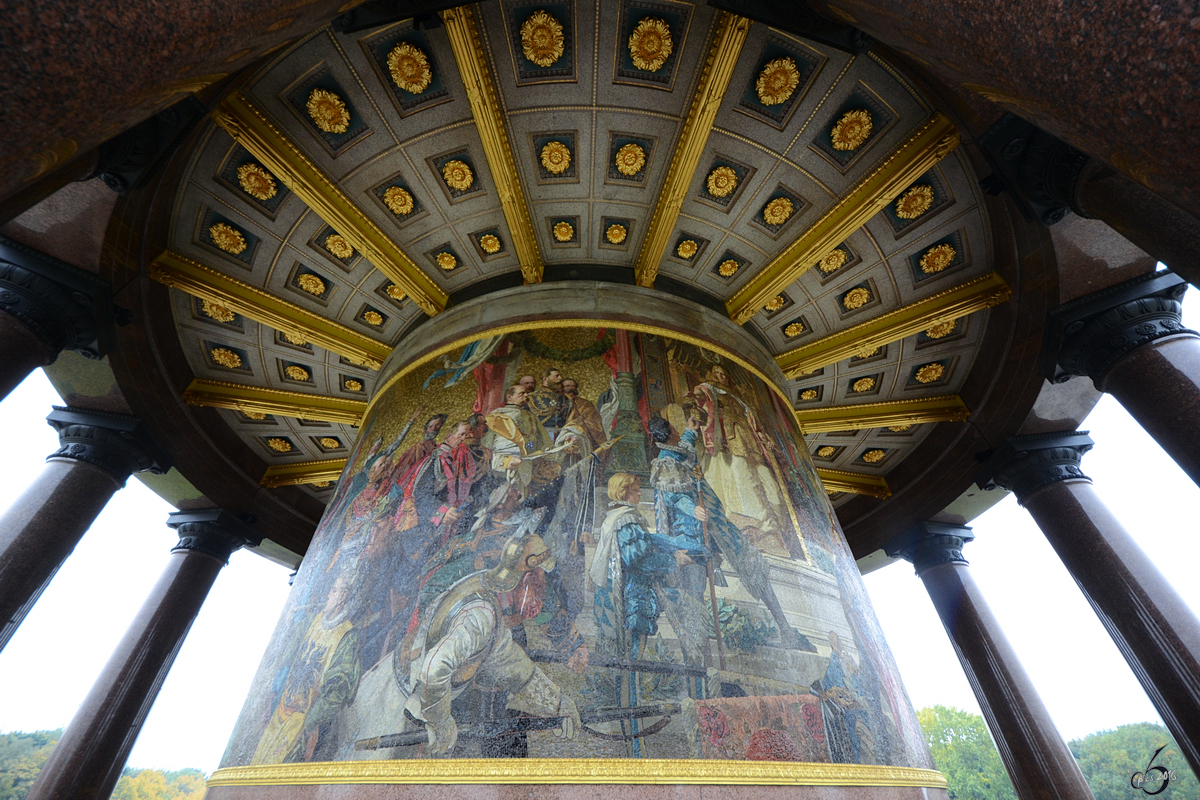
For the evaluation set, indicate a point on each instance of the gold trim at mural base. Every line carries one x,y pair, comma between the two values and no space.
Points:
650,44
577,771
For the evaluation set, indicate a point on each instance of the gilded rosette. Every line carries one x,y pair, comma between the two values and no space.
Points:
793,329
616,233
225,357
930,373
256,181
851,130
373,318
336,244
563,231
777,211
721,181
650,44
808,394
217,311
863,385
775,303
295,338
446,261
279,445
394,292
630,159
409,67
833,262
937,258
856,298
457,175
353,385
826,451
942,329
873,456
329,442
398,200
556,157
542,40
727,267
311,284
296,373
489,243
227,238
687,248
328,112
778,79
915,202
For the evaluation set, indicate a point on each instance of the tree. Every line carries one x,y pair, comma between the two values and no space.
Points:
21,758
155,784
965,754
1109,759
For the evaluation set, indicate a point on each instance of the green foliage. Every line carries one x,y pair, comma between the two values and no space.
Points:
963,751
21,758
741,630
1108,760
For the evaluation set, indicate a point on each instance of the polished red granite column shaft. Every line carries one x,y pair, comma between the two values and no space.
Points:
41,529
1159,385
1108,78
89,758
21,352
1036,757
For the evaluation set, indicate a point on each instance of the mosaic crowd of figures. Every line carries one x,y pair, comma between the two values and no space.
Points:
579,542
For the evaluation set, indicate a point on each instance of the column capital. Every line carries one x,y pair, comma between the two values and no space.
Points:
928,544
212,531
116,443
1089,335
1039,170
1024,464
66,307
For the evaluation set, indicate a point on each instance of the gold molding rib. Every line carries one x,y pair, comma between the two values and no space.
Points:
303,472
836,480
947,408
982,292
723,53
256,399
206,283
932,142
249,126
486,107
576,771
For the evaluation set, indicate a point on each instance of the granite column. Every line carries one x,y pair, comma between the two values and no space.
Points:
1034,753
94,748
1154,629
97,453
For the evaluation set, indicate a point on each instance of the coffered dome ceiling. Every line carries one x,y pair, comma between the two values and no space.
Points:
572,162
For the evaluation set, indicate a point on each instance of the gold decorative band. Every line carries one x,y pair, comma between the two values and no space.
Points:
928,145
303,472
196,279
954,303
836,480
259,400
947,408
577,770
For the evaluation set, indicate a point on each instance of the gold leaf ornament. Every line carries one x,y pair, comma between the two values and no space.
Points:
863,385
373,318
542,40
227,238
217,311
489,243
722,181
225,357
937,258
394,292
256,181
279,445
446,261
826,451
851,130
899,428
856,298
296,373
630,159
808,394
295,338
335,243
778,79
930,373
650,44
328,112
409,67
457,175
915,202
329,443
254,415
687,248
873,456
775,303
867,353
556,157
616,233
311,284
398,200
353,385
563,231
727,268
834,261
793,329
942,329
322,484
777,211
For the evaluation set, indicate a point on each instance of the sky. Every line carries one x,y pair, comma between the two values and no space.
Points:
51,662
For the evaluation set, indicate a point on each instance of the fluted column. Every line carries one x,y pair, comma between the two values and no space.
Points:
1034,753
1154,629
97,453
47,306
94,748
1130,340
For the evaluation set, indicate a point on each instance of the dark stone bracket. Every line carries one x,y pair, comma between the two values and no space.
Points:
1039,170
1024,464
212,531
116,443
928,544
